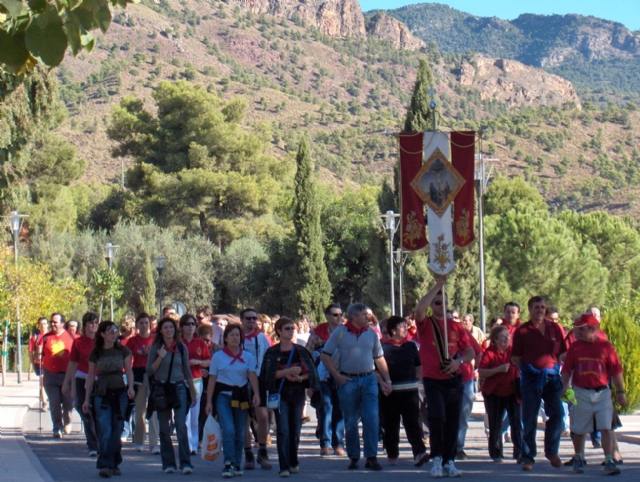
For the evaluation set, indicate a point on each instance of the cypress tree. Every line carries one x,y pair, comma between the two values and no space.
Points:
313,290
419,116
148,294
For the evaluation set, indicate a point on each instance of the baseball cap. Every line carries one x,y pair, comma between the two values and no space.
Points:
586,319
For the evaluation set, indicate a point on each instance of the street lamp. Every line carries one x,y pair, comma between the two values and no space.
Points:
160,268
110,254
391,228
15,221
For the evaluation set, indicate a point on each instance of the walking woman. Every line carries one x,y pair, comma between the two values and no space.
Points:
168,363
230,373
76,377
199,358
288,369
110,359
500,377
405,370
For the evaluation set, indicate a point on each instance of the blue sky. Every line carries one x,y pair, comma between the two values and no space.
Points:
626,12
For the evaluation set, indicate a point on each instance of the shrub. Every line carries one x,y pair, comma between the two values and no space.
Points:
625,336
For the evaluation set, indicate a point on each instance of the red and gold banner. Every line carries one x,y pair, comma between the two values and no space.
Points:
463,160
412,232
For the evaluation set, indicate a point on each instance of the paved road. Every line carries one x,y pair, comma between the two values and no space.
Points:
67,460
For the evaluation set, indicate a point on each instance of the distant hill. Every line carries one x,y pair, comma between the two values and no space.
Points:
596,55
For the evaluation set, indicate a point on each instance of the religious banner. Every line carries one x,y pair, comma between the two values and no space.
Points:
437,183
463,159
412,233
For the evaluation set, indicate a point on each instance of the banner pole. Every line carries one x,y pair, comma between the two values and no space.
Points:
444,309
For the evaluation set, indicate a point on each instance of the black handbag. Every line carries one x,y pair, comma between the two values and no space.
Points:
164,395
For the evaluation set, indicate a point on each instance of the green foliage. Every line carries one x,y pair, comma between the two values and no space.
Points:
420,115
506,194
106,283
625,336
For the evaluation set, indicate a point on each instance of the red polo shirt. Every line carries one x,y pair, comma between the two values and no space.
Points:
512,328
57,351
80,352
467,369
458,343
536,349
198,350
139,347
500,384
591,364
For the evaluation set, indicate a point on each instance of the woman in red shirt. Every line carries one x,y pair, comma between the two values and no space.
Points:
500,377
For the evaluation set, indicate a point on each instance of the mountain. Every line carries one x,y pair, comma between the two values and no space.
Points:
593,53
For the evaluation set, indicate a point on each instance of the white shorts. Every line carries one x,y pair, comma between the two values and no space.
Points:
593,411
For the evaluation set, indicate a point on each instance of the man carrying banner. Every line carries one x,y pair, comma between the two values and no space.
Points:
441,363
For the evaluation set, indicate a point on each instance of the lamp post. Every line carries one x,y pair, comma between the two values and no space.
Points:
160,268
391,228
400,260
15,220
110,254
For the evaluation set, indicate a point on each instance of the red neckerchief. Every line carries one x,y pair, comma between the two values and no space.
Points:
235,357
255,333
393,342
356,331
173,346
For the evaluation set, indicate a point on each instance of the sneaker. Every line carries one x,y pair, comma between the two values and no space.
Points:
237,471
578,465
93,453
596,445
169,470
116,471
263,459
187,469
155,450
391,461
339,451
294,470
193,452
249,460
569,463
284,473
450,470
461,455
373,464
610,467
436,470
421,459
105,473
57,434
67,429
324,451
227,472
139,448
353,465
498,460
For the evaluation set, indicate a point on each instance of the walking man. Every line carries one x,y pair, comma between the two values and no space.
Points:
441,377
358,352
538,346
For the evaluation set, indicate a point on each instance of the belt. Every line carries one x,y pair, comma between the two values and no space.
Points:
597,389
356,375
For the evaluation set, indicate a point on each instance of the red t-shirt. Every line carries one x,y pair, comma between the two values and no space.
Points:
591,364
500,384
467,369
57,351
34,341
570,339
80,351
198,350
458,343
139,347
512,328
536,349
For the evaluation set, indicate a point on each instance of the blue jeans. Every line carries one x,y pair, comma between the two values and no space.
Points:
289,421
531,399
179,419
330,420
88,422
465,413
232,422
109,421
359,400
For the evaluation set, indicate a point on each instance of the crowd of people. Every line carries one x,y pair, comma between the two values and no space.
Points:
252,372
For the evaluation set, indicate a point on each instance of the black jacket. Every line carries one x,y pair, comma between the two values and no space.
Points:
273,358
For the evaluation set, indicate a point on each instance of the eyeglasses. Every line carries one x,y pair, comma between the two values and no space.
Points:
287,328
336,315
111,330
251,318
94,322
190,323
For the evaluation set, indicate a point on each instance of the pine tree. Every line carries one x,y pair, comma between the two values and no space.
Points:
148,294
313,290
419,116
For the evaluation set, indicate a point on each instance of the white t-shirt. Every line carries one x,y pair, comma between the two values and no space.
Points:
235,374
257,346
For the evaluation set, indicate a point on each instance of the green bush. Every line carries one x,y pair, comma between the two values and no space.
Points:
625,336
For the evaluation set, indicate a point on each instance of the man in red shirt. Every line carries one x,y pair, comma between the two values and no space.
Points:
537,348
35,355
511,317
441,377
589,363
56,352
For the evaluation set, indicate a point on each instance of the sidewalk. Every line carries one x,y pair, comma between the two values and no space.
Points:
26,453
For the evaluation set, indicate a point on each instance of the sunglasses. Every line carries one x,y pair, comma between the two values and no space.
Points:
336,315
251,318
111,330
287,328
190,323
437,303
